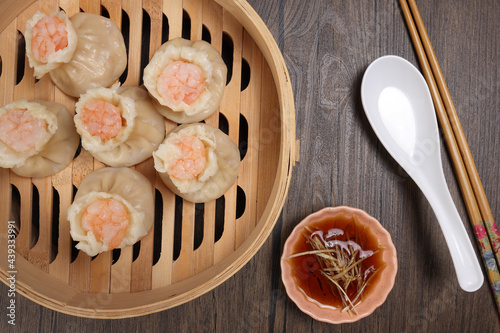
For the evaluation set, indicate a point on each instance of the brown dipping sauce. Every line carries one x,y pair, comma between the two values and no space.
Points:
306,268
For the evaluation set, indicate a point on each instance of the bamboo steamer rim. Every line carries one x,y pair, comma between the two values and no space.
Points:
220,272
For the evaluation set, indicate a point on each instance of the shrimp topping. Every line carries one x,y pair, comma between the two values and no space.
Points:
21,131
48,36
180,82
192,158
102,119
108,220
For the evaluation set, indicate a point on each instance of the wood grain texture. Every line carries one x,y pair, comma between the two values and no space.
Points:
327,45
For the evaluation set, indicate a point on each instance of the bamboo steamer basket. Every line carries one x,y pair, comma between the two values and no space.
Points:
191,248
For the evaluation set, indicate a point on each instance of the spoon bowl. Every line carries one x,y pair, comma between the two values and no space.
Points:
399,107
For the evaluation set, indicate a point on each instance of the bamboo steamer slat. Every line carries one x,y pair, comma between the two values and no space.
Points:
152,275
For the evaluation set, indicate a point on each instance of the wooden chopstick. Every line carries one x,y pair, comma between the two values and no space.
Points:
475,181
465,169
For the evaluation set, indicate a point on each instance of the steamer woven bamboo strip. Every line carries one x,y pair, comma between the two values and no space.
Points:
268,132
183,265
121,270
204,255
162,270
188,256
25,189
458,163
251,161
7,36
100,273
90,6
5,205
113,7
133,9
161,273
63,184
230,102
142,265
26,87
39,254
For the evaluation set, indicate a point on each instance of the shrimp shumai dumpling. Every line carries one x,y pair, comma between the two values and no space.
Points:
50,41
37,138
113,208
99,59
186,79
119,125
197,162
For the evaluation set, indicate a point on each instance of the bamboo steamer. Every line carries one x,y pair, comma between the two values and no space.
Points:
191,248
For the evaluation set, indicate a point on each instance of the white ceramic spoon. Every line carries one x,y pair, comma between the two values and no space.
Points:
399,107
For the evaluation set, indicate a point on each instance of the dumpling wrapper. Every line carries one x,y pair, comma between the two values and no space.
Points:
57,58
123,184
48,157
206,57
99,59
221,170
142,133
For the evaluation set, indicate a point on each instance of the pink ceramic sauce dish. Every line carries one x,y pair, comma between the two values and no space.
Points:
339,264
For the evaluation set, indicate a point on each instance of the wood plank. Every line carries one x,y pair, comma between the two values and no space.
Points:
100,273
114,9
5,208
211,19
183,265
70,7
25,88
8,37
162,270
269,136
24,241
142,269
134,10
195,10
60,266
90,6
63,183
248,176
10,10
79,272
204,255
230,107
39,254
155,11
142,266
173,11
121,272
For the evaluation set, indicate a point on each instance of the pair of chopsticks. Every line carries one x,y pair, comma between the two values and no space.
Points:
470,184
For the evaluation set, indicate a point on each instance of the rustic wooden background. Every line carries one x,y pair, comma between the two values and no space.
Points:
327,45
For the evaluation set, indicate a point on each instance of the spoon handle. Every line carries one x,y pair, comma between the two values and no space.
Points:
469,274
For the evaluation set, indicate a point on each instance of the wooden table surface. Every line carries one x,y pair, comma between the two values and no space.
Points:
327,46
